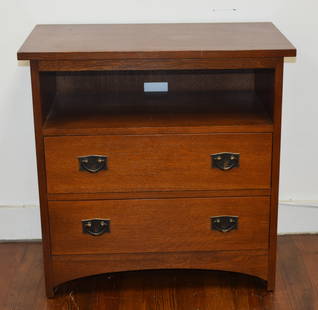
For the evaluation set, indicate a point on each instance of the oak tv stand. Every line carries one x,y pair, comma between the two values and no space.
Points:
182,178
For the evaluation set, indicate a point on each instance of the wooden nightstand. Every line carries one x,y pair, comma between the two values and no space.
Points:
183,178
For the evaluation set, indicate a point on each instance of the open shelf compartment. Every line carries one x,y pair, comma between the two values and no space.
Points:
104,102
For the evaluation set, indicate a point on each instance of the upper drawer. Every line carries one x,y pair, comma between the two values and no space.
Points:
157,163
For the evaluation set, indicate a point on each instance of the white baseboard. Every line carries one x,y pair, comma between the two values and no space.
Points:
20,223
298,217
23,222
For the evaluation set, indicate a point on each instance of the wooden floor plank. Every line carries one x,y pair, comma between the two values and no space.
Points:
10,256
22,284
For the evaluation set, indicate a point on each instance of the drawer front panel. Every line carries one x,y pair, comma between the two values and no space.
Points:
157,225
157,163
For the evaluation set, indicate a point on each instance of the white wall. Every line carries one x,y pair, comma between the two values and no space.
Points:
296,19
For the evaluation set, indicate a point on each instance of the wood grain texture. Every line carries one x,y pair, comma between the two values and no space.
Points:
180,82
158,225
157,163
70,267
22,284
157,64
155,41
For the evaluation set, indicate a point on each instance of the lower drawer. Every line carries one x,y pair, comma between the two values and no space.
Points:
158,225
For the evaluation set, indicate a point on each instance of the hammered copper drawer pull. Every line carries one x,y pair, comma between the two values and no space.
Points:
96,227
92,163
224,223
225,161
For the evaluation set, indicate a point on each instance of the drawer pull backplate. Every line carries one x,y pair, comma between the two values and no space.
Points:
225,161
224,223
92,163
96,227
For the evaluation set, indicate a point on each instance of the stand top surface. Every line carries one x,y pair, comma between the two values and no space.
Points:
144,41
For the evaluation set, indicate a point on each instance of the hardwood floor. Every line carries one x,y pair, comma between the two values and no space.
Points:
22,284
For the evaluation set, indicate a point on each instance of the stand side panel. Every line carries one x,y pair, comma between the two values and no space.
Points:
38,121
277,111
